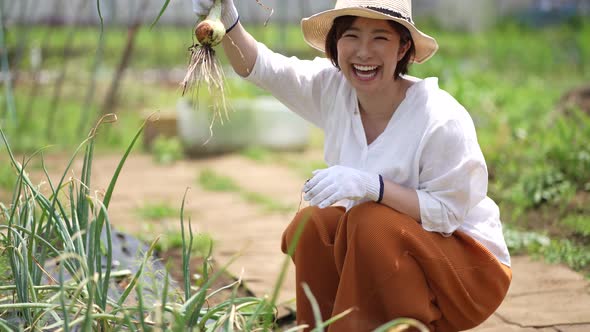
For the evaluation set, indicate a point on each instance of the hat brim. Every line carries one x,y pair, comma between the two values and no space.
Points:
316,27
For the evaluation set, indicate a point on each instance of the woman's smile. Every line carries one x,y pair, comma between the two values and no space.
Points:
365,72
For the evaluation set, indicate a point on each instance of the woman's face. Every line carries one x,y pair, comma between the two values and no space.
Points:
368,53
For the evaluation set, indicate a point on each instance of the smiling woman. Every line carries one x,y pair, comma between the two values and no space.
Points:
369,54
386,33
402,208
369,51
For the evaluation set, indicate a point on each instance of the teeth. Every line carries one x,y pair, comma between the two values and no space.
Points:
364,68
366,76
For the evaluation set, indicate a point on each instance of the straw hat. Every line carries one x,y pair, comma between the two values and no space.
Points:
316,27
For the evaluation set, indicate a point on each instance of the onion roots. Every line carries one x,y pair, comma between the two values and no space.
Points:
204,67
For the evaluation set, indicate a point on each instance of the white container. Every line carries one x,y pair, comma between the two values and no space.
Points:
262,122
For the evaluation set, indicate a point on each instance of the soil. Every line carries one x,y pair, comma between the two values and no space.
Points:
173,258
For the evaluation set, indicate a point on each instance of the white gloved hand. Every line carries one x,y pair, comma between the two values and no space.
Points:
330,185
229,13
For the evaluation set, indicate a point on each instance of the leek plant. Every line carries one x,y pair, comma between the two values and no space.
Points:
58,250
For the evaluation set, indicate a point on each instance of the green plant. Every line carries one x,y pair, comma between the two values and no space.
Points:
30,135
202,245
167,150
579,223
157,211
549,186
567,147
5,275
523,242
257,153
40,228
211,181
556,173
565,251
7,176
268,203
302,166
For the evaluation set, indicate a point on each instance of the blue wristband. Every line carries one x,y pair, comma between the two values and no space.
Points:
380,189
233,25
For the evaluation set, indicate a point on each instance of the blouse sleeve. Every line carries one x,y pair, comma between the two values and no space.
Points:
453,175
302,85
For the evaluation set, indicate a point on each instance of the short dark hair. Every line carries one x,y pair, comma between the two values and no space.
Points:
343,23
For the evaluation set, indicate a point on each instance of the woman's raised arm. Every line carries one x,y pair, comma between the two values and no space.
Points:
241,49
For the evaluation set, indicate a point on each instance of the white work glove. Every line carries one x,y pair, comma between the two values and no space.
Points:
229,13
330,185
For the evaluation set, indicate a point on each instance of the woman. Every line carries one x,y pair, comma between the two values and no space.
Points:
399,224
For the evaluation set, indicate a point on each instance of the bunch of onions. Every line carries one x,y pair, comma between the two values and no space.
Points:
204,67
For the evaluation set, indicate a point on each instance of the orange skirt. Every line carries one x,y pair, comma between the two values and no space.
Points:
384,265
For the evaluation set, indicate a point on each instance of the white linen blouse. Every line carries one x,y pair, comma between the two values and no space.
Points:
429,144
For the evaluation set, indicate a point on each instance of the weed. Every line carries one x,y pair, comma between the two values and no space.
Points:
579,223
565,251
157,211
268,203
293,161
522,242
167,150
5,274
257,154
212,181
7,176
547,187
202,243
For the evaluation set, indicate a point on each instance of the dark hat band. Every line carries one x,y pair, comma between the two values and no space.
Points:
391,13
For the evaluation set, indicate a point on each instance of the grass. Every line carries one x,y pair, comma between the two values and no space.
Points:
5,275
267,203
157,211
202,243
172,240
258,154
579,224
568,252
213,181
523,242
302,166
167,150
552,250
7,177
